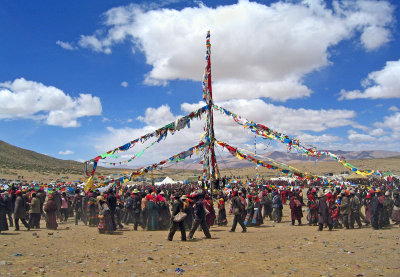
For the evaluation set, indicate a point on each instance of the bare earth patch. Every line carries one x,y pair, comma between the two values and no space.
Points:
282,250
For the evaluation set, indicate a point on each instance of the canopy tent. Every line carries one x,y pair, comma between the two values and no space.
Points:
167,180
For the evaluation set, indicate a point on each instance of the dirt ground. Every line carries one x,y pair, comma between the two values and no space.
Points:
272,249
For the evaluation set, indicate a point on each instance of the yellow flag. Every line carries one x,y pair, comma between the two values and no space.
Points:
89,184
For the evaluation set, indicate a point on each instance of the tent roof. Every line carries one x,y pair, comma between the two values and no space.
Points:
167,180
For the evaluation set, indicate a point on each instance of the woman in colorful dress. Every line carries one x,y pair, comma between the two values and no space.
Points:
93,210
222,221
250,211
105,222
313,213
152,214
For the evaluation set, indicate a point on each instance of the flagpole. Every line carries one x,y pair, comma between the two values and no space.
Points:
210,162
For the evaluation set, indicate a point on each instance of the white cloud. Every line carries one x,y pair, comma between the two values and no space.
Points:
157,116
392,122
28,99
354,136
379,84
373,37
288,41
393,109
66,152
66,45
124,84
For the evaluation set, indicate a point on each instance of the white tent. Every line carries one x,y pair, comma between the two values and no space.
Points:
167,180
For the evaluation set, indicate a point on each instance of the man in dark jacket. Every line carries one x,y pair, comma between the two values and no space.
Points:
199,218
375,209
237,210
112,204
177,207
8,208
136,208
324,217
20,211
77,206
42,197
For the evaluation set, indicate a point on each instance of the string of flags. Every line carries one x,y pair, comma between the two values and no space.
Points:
160,134
308,150
276,165
176,158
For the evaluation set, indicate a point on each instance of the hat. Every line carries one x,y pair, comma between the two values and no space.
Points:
100,198
320,194
387,193
82,193
352,192
371,191
135,191
18,192
368,196
51,196
162,193
184,197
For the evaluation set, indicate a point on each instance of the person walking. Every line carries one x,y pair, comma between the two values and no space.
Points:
199,219
177,207
20,212
237,210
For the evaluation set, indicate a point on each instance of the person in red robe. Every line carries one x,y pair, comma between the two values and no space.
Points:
210,216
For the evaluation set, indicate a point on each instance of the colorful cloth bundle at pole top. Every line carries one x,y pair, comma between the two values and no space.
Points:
160,134
311,151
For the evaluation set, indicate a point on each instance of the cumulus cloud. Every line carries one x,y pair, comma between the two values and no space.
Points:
384,83
124,84
66,152
392,122
288,40
66,45
29,99
157,116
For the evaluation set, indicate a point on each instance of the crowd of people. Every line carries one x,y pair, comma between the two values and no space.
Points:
189,207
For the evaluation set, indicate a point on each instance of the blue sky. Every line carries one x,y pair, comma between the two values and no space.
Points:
78,78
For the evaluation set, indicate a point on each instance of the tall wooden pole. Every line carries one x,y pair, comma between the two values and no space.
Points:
209,162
